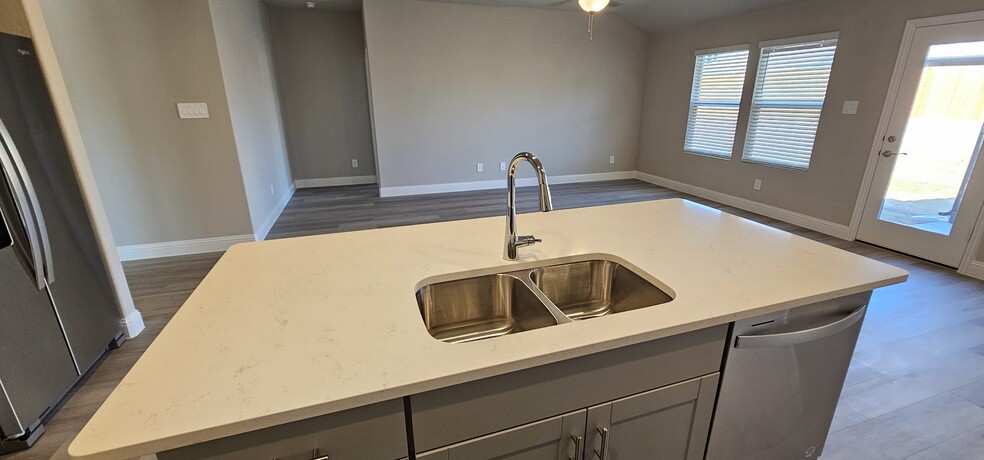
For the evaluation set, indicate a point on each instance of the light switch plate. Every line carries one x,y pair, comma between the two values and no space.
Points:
192,110
850,107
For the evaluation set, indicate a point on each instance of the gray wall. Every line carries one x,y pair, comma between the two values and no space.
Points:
126,63
453,85
243,39
320,67
870,35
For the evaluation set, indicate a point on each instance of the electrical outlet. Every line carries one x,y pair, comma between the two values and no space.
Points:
611,160
480,167
758,184
355,163
502,166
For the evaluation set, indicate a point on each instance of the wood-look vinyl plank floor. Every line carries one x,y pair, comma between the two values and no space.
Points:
914,390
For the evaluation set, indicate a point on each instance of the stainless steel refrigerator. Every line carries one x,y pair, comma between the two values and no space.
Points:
57,309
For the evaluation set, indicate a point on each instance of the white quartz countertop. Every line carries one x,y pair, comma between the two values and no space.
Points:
290,329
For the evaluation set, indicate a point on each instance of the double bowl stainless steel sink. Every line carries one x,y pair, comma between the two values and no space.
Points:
485,305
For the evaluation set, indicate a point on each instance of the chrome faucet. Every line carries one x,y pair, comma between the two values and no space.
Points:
512,240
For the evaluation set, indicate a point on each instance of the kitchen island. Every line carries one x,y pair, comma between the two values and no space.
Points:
288,330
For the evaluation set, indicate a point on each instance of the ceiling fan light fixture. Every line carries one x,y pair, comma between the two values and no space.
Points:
592,6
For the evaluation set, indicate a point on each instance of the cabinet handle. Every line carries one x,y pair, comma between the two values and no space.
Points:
315,455
604,444
577,447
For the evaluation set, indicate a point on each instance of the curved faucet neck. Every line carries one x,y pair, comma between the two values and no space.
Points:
546,203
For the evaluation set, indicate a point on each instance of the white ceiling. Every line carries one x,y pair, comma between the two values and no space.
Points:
654,15
648,15
334,5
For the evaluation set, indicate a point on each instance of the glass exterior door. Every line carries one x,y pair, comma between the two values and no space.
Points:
927,194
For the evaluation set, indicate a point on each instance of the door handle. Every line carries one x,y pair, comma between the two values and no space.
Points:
30,209
603,454
807,335
888,153
6,239
31,254
577,447
7,222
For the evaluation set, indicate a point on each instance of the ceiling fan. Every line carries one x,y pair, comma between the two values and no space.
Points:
591,7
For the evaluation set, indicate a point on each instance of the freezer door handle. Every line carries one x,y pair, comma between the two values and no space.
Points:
6,239
26,200
22,250
807,335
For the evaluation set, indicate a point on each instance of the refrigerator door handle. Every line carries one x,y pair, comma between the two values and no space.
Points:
31,255
30,208
807,335
6,238
21,250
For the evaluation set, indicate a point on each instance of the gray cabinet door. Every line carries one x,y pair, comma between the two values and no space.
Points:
556,438
670,423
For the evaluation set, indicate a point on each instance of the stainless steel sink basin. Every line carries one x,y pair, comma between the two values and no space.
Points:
492,303
480,308
593,288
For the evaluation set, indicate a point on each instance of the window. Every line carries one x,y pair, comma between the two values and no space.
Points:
789,91
719,76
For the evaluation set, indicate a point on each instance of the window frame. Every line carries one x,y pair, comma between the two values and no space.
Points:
756,86
694,89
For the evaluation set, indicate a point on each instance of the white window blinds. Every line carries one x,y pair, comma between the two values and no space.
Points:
714,98
789,91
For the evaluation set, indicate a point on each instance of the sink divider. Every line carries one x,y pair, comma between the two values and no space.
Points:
526,277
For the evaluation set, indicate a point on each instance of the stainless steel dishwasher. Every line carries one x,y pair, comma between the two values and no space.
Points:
782,379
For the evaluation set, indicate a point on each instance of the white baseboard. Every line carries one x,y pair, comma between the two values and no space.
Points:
335,181
500,183
812,223
264,230
180,248
975,269
133,324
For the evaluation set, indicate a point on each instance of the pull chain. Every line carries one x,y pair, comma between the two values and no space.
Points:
590,25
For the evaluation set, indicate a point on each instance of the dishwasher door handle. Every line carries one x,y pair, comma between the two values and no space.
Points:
807,335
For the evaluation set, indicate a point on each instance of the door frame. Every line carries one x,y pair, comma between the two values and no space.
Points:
967,265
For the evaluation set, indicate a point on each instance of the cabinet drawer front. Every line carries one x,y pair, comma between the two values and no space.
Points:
450,415
376,431
555,438
654,401
549,439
